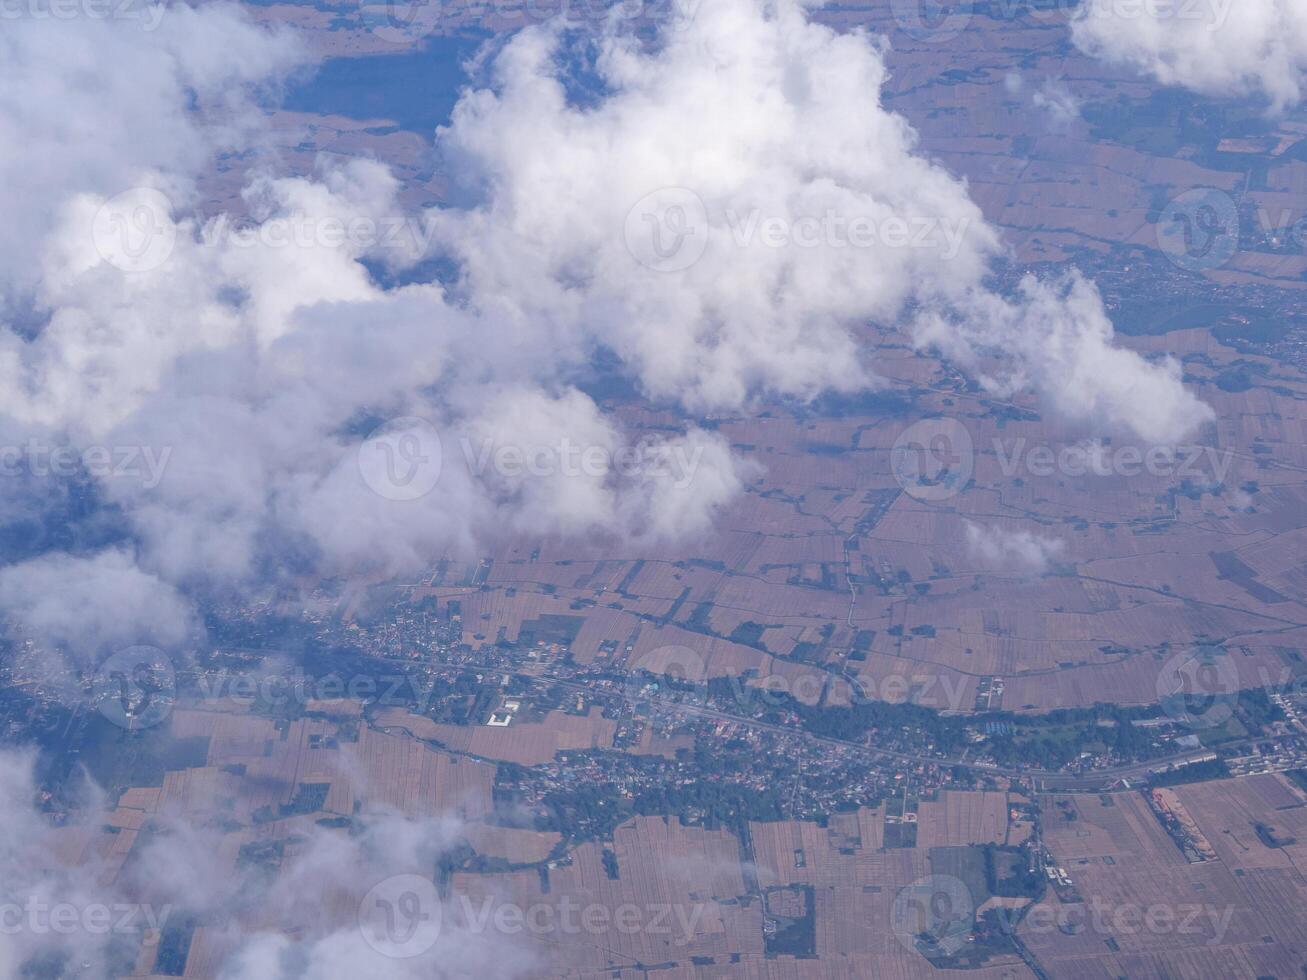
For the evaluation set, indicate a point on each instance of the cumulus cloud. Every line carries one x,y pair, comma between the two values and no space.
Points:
42,866
328,939
1055,98
240,370
738,204
738,200
116,604
345,955
265,929
732,208
1064,339
1216,47
724,218
92,105
1001,549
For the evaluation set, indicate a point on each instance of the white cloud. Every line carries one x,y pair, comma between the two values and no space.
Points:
92,605
1064,341
245,405
183,868
42,866
1216,47
1055,98
91,105
252,360
771,128
324,940
1008,550
765,137
257,362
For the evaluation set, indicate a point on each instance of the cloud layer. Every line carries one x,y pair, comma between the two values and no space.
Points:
1216,47
67,907
719,221
69,122
772,205
1001,549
